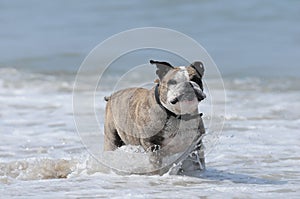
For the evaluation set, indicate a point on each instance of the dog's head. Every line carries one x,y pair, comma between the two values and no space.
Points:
180,88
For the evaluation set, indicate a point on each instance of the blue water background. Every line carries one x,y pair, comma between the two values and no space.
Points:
245,38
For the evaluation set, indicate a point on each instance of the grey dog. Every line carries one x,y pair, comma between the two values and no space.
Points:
163,120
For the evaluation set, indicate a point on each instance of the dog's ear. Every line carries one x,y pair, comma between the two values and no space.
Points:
162,68
199,67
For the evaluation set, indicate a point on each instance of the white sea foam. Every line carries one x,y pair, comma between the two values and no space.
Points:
41,152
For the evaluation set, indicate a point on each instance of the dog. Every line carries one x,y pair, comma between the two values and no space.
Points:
163,120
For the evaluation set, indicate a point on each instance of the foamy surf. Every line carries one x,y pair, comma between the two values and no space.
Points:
133,160
41,152
36,169
47,168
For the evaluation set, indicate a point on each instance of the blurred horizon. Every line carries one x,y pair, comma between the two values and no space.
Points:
256,38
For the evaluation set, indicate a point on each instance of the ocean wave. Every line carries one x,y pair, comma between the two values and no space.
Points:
36,169
47,168
13,81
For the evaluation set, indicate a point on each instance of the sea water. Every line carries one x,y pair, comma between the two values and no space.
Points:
255,44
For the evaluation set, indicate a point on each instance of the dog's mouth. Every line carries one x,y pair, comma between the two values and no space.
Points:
189,97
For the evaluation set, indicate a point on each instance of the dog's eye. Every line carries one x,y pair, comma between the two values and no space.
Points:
172,82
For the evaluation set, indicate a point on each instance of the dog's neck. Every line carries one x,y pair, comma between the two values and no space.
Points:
170,113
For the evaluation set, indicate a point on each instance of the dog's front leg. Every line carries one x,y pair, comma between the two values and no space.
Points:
155,156
195,161
156,159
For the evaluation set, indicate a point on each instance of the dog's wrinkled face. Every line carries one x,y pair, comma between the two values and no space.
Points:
180,88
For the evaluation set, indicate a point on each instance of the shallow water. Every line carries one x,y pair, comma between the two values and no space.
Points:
256,45
42,154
